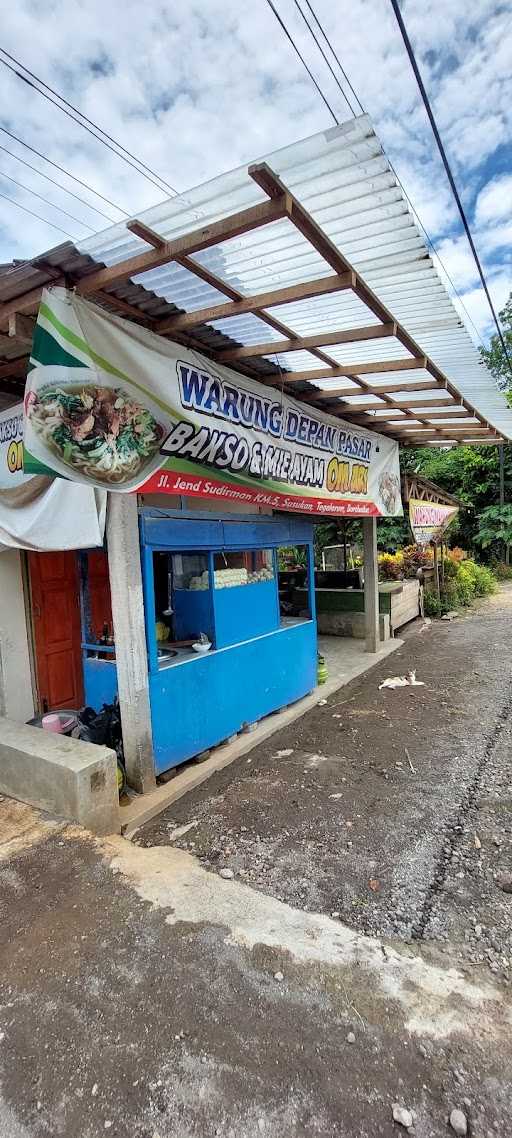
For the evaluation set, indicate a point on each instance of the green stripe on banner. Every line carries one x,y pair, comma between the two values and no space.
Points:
83,346
32,465
46,350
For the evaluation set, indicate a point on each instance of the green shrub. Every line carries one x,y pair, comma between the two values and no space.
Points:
461,589
450,595
476,580
465,584
450,568
432,604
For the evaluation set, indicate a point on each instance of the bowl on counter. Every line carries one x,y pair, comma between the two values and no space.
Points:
200,648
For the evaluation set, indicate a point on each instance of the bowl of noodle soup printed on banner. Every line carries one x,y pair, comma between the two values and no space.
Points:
389,492
92,427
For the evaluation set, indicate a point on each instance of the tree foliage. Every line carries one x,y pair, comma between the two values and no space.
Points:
471,474
494,355
494,525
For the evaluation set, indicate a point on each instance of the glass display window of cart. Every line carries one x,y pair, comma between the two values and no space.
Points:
183,604
245,598
294,602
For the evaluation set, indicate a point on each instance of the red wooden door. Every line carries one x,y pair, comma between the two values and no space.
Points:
56,616
99,593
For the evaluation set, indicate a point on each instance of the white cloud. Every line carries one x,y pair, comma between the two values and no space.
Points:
199,88
475,302
494,202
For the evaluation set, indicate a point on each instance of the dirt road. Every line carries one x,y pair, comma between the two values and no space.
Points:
358,957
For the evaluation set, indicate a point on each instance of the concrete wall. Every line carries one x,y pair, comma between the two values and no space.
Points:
350,624
16,698
74,780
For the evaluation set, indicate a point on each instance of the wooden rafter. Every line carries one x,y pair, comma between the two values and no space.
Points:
322,395
203,238
157,242
387,425
454,433
254,304
350,409
14,367
423,424
21,329
272,186
322,339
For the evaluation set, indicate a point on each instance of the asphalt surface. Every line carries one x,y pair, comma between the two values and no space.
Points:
143,995
390,808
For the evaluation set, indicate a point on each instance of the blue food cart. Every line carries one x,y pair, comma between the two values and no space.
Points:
222,650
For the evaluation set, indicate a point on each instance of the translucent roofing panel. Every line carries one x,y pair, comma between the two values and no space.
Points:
343,178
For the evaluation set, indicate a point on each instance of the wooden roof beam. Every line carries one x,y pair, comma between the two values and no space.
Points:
325,285
197,269
356,408
323,395
388,421
14,367
449,414
21,329
272,185
224,230
323,339
467,441
452,433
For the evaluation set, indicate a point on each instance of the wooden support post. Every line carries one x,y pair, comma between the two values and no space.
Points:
371,585
436,571
442,565
130,639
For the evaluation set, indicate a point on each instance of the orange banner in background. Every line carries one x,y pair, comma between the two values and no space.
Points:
430,520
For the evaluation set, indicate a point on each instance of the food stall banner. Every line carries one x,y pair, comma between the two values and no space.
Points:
39,514
429,520
113,405
11,447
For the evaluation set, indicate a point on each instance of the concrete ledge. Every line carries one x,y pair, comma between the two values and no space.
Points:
74,780
350,624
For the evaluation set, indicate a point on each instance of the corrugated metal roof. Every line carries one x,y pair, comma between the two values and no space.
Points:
344,180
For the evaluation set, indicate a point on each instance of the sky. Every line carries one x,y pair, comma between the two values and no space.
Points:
198,88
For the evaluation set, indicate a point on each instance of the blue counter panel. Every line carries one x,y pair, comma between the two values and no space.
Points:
245,610
100,682
199,703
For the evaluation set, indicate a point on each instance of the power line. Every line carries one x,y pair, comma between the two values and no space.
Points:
64,171
45,200
414,211
54,183
303,61
38,215
82,120
336,57
446,164
321,50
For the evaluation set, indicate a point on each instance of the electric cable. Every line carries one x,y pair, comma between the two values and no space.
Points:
303,61
336,57
64,171
415,213
43,88
38,215
46,201
426,102
54,183
322,52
